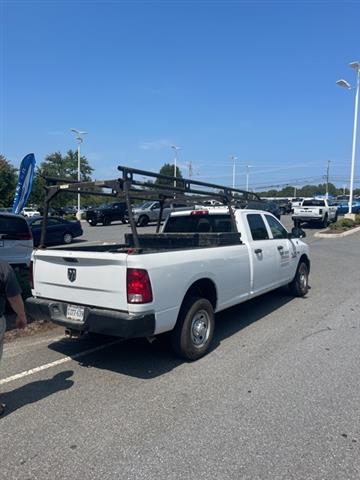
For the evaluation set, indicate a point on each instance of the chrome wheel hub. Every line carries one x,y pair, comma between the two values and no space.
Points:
200,328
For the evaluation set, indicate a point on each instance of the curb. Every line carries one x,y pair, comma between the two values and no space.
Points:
336,235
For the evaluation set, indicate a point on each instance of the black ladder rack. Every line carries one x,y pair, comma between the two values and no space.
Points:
166,189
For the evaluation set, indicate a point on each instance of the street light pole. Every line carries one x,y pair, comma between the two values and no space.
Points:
345,84
175,148
327,179
79,139
247,176
233,158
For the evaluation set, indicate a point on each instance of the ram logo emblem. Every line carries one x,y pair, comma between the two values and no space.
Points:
71,274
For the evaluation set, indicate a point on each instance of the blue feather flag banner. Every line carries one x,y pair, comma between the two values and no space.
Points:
25,181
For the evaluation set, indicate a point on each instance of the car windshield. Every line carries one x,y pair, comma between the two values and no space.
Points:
145,205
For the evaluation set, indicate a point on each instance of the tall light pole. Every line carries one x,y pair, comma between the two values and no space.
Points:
79,138
345,84
176,149
233,158
327,179
247,176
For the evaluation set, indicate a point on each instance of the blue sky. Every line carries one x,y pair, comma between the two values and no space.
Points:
250,79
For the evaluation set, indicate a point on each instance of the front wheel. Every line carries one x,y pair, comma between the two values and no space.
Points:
194,330
93,223
143,221
300,285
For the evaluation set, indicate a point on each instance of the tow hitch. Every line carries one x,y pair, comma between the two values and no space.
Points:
69,332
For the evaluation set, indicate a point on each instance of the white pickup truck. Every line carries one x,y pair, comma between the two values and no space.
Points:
315,210
175,282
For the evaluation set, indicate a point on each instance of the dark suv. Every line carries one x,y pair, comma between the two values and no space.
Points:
106,213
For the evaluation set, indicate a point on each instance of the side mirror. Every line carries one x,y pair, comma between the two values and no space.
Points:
297,232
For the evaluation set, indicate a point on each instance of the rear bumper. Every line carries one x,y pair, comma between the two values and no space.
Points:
97,320
312,218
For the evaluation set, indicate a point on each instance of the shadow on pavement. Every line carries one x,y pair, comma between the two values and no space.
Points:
138,358
35,391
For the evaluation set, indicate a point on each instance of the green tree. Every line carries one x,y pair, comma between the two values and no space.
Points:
63,166
8,179
168,169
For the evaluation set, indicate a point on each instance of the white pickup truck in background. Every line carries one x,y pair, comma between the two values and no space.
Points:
321,211
199,265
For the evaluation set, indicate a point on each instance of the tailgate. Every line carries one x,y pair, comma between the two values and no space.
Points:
85,278
303,211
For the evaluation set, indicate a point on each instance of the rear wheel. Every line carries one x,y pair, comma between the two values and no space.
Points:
92,222
300,285
194,330
67,238
325,222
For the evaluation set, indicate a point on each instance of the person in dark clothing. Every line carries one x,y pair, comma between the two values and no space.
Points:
10,290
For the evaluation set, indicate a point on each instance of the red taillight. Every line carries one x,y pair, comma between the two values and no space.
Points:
31,275
200,212
138,286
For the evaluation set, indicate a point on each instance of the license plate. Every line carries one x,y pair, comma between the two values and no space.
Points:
74,312
1,243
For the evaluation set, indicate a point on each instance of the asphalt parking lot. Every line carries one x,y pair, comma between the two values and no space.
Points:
276,398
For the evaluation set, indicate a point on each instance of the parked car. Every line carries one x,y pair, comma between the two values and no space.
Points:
58,230
30,212
263,204
106,213
150,211
284,206
343,207
16,241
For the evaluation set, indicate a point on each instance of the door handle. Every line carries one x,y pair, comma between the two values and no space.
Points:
280,247
258,250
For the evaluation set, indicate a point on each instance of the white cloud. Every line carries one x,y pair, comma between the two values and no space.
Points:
156,145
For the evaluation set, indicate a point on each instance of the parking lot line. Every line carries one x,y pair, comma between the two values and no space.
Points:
46,366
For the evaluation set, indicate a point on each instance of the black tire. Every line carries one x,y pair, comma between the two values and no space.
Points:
93,223
67,238
143,221
325,222
106,221
194,330
124,221
299,287
335,218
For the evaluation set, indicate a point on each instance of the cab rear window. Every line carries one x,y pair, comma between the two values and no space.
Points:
199,224
313,203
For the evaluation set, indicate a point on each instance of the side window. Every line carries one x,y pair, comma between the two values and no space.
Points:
36,223
277,230
257,227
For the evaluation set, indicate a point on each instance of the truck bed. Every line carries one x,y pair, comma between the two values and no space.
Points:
157,242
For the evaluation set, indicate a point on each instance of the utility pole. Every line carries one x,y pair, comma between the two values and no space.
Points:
327,178
190,169
295,192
